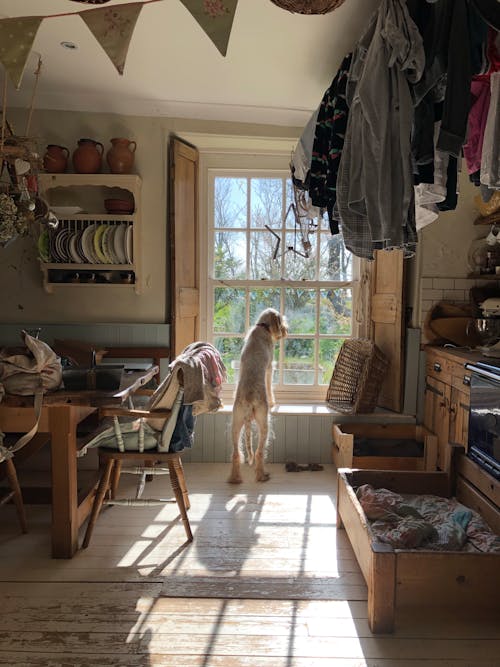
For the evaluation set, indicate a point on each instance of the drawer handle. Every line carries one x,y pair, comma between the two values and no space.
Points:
467,380
437,367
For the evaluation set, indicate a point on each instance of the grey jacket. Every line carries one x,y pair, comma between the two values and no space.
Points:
375,194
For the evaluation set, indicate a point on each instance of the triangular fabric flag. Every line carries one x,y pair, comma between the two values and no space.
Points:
215,17
113,28
16,39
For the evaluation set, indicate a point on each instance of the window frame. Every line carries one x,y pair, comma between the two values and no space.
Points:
260,165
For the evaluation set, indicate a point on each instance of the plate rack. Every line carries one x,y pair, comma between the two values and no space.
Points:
90,248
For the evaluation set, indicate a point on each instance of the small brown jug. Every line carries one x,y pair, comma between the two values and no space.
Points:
120,156
55,159
87,158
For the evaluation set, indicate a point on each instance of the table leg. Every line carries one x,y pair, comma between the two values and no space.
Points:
63,423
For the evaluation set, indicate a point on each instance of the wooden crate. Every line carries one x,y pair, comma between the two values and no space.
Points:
344,455
422,578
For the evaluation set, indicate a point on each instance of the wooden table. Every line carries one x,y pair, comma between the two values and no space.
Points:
62,412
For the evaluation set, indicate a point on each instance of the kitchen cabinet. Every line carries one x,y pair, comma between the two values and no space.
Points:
447,399
92,246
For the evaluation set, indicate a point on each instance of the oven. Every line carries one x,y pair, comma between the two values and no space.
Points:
484,417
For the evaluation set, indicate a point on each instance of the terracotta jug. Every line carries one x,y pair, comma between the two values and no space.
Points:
55,159
87,158
120,156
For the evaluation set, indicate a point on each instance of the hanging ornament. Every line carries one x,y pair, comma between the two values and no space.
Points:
308,6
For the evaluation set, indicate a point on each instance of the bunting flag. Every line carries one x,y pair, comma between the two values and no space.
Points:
16,39
113,28
215,17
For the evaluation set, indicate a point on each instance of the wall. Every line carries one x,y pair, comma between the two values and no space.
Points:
25,300
442,265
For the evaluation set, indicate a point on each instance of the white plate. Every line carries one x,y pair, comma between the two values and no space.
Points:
128,245
88,245
119,243
73,251
110,238
66,211
106,246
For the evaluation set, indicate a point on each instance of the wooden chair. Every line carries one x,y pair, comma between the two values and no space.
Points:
27,445
144,446
14,494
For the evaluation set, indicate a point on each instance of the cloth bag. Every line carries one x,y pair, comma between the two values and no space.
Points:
25,373
30,372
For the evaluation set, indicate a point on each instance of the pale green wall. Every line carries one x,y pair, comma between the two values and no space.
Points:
23,299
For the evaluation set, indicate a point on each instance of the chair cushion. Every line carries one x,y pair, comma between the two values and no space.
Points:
130,433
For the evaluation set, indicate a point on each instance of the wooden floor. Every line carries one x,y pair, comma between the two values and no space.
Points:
267,582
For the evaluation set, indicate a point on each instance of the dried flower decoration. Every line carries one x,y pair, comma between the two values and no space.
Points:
13,222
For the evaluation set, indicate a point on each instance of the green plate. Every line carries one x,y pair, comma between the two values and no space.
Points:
43,246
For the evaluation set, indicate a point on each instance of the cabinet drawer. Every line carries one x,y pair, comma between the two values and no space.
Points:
439,368
461,381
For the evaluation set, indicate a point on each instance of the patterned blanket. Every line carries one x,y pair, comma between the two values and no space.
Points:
425,522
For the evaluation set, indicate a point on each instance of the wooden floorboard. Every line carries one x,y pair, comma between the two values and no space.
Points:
267,582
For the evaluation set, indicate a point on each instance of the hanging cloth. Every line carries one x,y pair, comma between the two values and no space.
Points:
375,194
328,143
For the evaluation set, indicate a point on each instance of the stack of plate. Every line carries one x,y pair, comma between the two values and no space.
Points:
95,244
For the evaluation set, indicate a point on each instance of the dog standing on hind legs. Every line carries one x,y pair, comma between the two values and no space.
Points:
254,393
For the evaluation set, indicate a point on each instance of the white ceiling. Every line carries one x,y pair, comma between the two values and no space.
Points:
277,66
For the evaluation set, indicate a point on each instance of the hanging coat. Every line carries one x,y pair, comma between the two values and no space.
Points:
375,194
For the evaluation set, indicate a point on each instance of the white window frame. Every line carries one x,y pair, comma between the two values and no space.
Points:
260,162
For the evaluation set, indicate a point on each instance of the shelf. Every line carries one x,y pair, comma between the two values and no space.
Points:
483,276
69,266
89,192
125,181
97,217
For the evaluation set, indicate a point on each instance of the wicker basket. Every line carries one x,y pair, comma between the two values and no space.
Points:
308,6
357,377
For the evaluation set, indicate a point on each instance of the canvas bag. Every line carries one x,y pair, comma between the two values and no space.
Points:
30,373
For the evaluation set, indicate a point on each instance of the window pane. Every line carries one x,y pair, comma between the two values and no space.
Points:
335,311
230,350
230,202
300,309
299,361
260,299
230,256
335,260
262,264
328,353
296,266
229,310
266,202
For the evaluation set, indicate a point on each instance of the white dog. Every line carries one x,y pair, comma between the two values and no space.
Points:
254,393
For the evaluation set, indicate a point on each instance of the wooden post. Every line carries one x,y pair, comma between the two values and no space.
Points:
382,589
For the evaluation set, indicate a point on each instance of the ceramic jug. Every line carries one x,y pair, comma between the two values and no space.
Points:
120,156
87,158
55,159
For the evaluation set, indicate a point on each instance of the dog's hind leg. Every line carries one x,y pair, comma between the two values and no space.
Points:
248,442
261,418
237,423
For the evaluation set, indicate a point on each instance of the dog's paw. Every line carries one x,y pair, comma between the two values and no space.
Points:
235,479
262,476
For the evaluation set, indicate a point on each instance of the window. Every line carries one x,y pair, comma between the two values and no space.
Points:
258,257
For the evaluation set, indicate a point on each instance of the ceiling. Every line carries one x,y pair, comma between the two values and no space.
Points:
277,66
